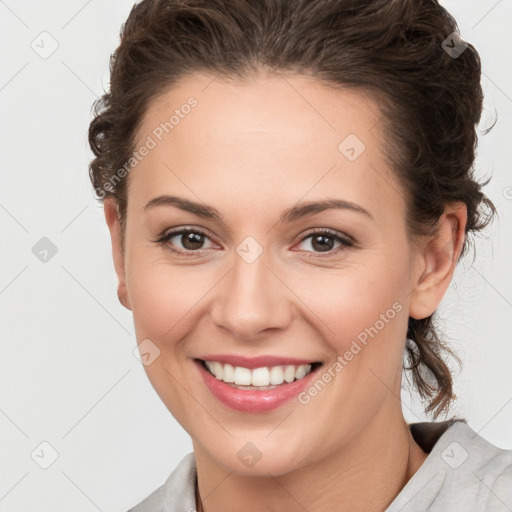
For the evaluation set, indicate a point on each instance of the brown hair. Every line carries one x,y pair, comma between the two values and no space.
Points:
390,49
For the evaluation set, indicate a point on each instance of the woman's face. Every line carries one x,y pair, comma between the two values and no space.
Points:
266,275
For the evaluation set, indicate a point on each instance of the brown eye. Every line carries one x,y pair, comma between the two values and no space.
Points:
184,241
324,241
191,241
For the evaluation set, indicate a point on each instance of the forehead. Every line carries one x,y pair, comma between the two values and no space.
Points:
279,137
291,106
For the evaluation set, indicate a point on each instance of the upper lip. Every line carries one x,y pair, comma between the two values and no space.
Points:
255,362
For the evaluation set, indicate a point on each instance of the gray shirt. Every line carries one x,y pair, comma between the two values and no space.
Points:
463,472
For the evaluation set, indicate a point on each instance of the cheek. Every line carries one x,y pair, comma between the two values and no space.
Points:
163,300
162,295
343,305
362,314
350,302
363,317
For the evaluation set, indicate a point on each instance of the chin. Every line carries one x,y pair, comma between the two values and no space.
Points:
255,458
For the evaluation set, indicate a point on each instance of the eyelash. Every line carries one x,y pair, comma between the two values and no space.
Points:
165,237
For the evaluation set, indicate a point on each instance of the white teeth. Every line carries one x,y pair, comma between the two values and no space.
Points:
242,376
259,377
218,370
289,373
229,373
301,371
276,375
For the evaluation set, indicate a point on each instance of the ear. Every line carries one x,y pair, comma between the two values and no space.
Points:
112,218
437,259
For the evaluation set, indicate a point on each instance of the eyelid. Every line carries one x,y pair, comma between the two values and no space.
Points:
167,234
332,232
346,240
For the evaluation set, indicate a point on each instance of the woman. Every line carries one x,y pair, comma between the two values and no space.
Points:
288,188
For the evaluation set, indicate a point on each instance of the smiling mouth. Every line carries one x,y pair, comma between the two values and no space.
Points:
265,377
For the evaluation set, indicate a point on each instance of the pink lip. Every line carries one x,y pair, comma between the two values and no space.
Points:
254,362
253,401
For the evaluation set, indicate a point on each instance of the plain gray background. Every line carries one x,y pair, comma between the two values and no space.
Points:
67,372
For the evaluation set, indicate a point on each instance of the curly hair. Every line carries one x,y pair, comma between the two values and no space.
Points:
396,51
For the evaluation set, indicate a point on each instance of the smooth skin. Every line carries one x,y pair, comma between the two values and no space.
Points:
252,150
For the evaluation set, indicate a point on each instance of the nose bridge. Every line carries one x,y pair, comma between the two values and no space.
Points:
251,298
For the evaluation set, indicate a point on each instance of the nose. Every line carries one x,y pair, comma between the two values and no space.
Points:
251,299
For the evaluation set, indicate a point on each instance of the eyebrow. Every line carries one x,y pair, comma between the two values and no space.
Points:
292,214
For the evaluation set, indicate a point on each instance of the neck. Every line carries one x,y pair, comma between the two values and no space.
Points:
367,475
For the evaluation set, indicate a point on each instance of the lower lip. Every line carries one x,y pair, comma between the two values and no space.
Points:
254,401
